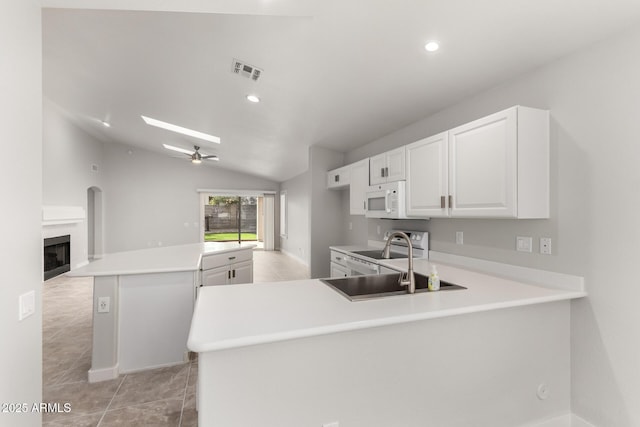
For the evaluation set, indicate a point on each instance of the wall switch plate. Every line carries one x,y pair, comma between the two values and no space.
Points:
523,244
545,245
104,304
459,238
26,305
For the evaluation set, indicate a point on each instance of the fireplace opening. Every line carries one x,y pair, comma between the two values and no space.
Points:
57,256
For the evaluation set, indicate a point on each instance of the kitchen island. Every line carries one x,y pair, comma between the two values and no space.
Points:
143,303
299,353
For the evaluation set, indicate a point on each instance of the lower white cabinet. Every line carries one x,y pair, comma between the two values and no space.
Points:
227,269
338,270
241,272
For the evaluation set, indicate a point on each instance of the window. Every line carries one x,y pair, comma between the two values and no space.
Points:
283,214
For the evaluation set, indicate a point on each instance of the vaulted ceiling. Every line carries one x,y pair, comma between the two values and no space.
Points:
335,73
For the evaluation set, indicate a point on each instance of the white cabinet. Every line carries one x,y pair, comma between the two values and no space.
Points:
427,177
358,187
387,167
499,165
338,270
493,167
338,178
227,269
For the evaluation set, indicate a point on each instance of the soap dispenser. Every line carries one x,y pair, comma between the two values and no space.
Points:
434,279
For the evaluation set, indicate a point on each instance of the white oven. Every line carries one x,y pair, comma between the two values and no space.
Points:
386,201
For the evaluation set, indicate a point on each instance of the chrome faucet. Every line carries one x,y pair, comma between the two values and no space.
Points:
408,280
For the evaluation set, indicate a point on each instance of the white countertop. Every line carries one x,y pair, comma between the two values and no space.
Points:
241,315
165,259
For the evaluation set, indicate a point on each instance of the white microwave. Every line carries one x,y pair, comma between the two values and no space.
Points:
386,201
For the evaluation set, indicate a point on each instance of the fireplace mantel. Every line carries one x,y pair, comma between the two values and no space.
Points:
56,215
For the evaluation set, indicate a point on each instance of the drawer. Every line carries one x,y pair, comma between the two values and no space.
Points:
338,258
221,260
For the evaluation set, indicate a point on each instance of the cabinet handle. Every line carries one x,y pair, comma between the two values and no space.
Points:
450,201
232,257
234,274
443,202
382,172
229,274
386,172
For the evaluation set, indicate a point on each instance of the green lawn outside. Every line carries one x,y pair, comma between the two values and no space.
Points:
224,237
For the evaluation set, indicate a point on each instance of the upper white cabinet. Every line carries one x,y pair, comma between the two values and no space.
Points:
427,177
359,183
338,178
494,167
387,167
355,177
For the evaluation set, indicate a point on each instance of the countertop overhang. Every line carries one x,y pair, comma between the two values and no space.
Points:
227,317
165,259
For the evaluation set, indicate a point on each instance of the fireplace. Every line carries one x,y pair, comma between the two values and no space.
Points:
57,256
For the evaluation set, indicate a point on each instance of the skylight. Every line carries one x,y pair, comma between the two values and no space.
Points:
180,129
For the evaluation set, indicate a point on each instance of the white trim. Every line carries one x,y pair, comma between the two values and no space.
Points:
57,215
236,192
567,420
549,279
103,374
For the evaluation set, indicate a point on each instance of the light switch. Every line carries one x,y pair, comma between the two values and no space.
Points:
26,305
523,244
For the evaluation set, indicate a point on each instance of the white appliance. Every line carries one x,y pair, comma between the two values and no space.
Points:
357,263
386,201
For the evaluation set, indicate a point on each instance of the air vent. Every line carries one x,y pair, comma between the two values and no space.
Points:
243,69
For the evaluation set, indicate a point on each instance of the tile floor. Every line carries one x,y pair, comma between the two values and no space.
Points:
159,397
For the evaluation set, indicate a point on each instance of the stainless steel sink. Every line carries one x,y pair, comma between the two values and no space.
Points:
358,288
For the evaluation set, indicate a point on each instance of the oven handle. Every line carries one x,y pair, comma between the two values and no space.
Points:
387,205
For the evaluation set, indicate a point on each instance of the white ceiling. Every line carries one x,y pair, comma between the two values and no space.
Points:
337,73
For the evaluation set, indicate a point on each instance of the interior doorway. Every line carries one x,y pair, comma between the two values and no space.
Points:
238,217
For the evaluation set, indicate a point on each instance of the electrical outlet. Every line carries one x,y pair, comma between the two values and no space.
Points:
545,245
459,238
523,244
104,304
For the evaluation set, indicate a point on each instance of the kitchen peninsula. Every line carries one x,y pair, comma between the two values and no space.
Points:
299,353
143,302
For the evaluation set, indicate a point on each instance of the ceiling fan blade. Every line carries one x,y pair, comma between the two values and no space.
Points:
211,157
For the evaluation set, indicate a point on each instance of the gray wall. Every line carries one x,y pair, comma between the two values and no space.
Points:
594,99
297,241
21,190
326,229
149,199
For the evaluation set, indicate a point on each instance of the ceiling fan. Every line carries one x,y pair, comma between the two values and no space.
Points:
196,157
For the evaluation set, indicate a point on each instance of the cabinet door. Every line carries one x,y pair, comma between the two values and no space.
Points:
338,270
358,187
427,177
215,276
395,165
483,166
338,178
377,166
242,272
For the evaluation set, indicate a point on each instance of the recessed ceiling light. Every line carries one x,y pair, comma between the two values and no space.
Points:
253,98
180,129
432,46
105,124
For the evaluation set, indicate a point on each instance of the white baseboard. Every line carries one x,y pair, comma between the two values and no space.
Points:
567,420
104,374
